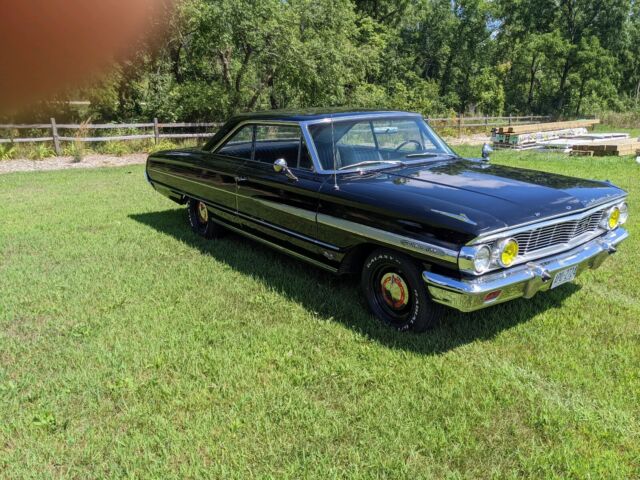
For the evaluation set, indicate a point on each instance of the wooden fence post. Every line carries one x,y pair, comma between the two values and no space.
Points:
56,138
459,125
509,119
486,122
156,131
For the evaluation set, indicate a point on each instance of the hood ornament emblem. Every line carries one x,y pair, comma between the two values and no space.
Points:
458,216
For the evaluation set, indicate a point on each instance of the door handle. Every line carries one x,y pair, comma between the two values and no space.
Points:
241,179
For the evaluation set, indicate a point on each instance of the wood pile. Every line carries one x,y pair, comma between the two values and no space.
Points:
615,147
530,136
547,127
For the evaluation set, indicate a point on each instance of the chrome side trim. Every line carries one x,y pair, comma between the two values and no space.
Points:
468,294
523,227
386,238
276,246
307,215
185,179
390,239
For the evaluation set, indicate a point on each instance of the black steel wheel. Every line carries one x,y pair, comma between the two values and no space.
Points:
395,292
200,220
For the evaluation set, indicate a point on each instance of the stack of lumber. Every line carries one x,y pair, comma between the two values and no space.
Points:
566,143
546,127
529,136
616,147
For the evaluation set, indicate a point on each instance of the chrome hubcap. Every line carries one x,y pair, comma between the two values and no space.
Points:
395,291
203,213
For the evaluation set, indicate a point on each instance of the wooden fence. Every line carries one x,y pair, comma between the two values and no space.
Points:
53,129
461,122
54,132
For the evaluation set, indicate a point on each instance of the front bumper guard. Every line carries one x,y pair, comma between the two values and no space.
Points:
469,294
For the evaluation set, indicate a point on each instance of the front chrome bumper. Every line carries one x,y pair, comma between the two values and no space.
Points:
469,294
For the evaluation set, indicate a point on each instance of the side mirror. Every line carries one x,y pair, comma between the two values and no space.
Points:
280,165
486,151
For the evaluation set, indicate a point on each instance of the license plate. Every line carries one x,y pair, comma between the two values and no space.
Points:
564,276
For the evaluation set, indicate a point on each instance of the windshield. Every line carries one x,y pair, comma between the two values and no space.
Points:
375,142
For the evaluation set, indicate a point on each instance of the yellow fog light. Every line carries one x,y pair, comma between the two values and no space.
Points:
507,252
611,218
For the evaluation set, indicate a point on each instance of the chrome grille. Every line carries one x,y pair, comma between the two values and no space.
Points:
557,234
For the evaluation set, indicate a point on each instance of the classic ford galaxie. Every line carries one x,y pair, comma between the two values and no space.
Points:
378,193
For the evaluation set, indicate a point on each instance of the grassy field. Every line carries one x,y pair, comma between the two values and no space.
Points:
129,347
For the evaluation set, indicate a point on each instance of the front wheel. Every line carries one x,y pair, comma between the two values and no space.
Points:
396,294
200,220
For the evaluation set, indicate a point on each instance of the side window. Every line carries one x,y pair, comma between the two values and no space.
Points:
305,157
277,141
239,145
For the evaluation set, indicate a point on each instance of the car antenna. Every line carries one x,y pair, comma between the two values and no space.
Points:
333,153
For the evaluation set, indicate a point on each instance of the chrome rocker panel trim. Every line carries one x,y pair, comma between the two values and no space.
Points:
525,281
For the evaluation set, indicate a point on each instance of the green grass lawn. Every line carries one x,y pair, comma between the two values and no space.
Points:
129,347
633,132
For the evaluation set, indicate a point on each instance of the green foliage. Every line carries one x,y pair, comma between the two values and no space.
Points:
77,150
116,148
132,348
435,56
7,152
164,144
40,151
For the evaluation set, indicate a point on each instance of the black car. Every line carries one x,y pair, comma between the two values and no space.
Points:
378,193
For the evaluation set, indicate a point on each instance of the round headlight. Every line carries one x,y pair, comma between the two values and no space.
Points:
611,218
507,251
624,213
482,259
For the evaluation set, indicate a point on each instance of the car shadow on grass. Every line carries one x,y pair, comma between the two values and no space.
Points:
339,299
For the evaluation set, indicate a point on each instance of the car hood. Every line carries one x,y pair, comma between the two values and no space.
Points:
477,197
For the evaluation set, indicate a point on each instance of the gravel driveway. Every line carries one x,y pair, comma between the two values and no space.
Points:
59,163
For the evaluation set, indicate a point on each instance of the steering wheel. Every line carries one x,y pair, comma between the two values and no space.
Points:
407,142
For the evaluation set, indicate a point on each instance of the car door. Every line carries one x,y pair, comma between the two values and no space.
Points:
270,203
218,173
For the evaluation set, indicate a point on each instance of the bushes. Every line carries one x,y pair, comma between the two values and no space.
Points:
630,119
78,150
7,152
40,151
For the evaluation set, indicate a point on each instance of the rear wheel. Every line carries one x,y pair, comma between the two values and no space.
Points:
200,220
395,292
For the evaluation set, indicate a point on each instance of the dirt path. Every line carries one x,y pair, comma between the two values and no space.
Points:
474,139
60,163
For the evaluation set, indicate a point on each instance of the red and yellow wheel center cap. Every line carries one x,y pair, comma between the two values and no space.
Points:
395,291
203,213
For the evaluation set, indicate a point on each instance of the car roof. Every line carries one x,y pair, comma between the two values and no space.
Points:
313,114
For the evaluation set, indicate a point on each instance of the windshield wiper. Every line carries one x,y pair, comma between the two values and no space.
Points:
372,162
428,154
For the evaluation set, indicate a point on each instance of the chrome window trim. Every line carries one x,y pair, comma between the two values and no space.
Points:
311,146
364,117
561,218
289,123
